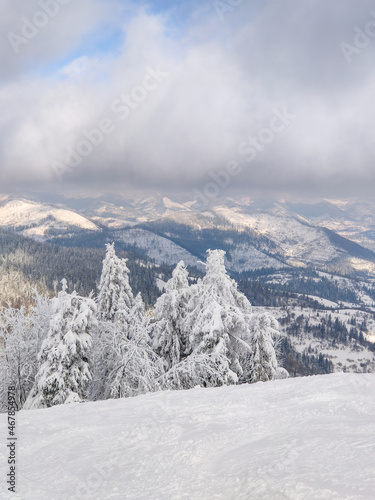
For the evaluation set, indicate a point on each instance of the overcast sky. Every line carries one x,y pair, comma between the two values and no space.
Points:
101,94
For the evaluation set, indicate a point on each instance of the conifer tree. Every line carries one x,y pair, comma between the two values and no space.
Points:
215,329
169,339
130,365
114,288
64,373
21,336
262,364
220,316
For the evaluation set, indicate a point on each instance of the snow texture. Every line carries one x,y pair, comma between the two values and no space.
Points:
298,439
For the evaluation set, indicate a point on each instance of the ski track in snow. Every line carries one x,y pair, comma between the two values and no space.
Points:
307,438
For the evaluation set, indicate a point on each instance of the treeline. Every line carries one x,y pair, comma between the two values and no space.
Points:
322,287
46,263
293,282
333,330
302,364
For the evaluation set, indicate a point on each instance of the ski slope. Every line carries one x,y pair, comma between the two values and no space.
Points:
307,438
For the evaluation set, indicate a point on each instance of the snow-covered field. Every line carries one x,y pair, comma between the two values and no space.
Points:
308,438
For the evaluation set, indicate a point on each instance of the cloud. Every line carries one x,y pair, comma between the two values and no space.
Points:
179,95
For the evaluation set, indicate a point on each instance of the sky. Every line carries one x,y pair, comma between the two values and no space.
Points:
192,96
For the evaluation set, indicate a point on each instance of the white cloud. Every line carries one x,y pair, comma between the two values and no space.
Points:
224,80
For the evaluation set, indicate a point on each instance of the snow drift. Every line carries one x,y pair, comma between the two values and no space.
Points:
306,438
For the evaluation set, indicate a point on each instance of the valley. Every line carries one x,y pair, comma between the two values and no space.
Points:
319,284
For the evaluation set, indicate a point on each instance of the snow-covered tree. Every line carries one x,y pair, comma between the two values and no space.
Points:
117,311
219,316
114,288
125,363
64,373
262,364
214,329
169,340
21,335
205,370
137,320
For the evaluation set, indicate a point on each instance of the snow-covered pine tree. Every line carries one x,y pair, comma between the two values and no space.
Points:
221,314
262,364
115,301
169,340
128,363
137,319
217,330
21,335
114,286
64,372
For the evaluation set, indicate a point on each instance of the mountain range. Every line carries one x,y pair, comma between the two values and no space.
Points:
333,236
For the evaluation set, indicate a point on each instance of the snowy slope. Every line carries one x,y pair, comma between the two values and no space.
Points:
350,356
162,250
35,219
132,211
352,219
277,233
298,439
156,247
298,241
247,258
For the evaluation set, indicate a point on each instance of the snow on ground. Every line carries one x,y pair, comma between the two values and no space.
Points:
298,439
162,250
353,358
170,204
161,284
365,299
363,265
321,301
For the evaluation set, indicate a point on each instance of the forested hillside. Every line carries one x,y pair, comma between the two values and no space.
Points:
26,264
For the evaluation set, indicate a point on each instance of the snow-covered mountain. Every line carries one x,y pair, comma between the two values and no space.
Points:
117,212
263,236
254,234
40,221
354,220
307,438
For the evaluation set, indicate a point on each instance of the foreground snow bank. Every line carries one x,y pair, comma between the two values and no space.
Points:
306,438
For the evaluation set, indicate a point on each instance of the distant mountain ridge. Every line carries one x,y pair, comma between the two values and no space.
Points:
254,233
40,220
